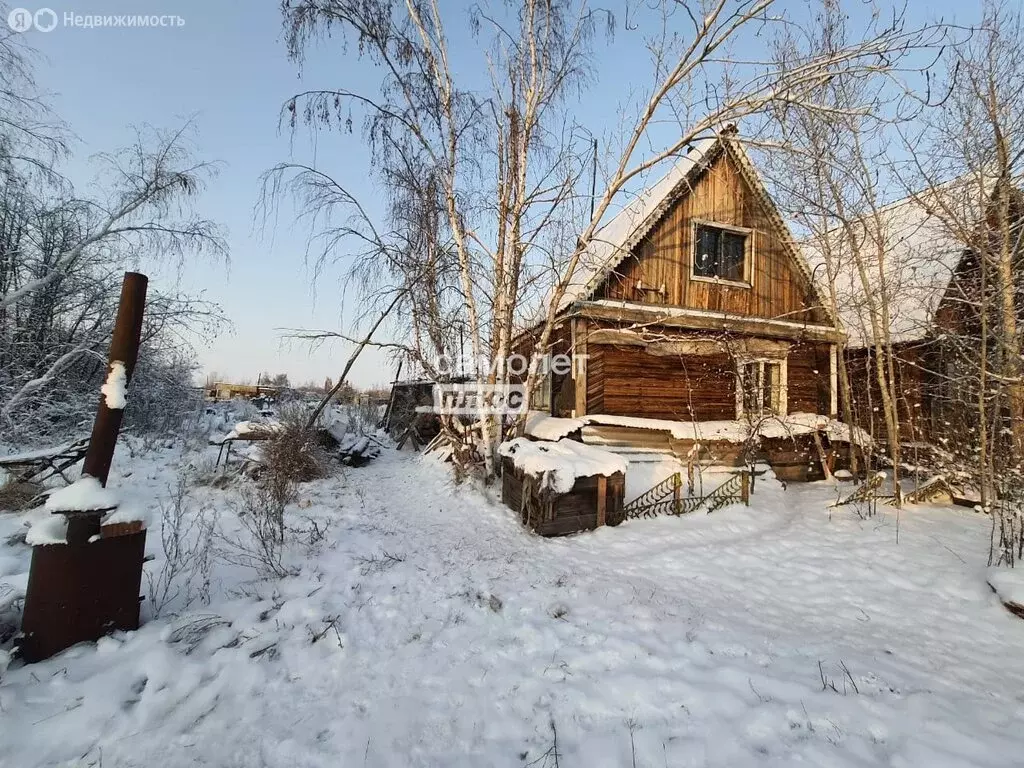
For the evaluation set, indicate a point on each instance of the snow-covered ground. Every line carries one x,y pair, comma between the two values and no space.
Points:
430,628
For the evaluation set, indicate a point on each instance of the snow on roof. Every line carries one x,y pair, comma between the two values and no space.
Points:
544,427
738,431
614,240
561,463
920,255
664,312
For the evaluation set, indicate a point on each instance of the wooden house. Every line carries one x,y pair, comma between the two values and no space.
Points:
929,283
693,304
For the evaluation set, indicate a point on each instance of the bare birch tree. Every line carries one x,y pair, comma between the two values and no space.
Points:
486,172
967,161
426,119
832,171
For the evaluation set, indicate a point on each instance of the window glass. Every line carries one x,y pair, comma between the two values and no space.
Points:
762,387
705,260
719,253
733,251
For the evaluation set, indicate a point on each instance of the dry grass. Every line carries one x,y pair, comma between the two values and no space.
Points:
16,496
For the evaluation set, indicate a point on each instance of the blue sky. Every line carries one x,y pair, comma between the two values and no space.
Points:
227,67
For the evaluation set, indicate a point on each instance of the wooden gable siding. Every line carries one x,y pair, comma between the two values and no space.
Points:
663,257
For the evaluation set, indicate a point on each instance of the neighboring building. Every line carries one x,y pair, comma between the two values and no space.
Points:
226,391
930,284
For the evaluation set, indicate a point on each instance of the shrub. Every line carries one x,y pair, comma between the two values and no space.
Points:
17,496
294,453
185,537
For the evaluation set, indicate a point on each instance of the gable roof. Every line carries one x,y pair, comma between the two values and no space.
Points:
614,241
920,256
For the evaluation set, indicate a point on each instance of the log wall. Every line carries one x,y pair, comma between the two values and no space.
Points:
630,382
913,383
809,389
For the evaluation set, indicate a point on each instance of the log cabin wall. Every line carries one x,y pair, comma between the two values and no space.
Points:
912,384
679,388
809,387
596,374
627,381
663,257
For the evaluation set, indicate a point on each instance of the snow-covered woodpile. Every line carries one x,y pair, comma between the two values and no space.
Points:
356,450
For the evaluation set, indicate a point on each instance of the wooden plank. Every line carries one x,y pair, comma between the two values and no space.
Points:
707,322
680,388
602,499
579,356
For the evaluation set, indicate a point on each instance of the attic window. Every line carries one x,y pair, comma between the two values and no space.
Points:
720,253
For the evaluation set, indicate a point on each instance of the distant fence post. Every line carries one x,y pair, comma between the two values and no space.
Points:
745,486
87,585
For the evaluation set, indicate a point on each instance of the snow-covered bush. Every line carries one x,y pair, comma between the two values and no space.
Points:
62,259
294,454
186,537
163,399
259,541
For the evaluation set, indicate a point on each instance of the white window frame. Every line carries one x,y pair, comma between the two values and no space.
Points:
781,395
748,253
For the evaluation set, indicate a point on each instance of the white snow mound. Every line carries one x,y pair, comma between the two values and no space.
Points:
561,463
1008,584
52,529
544,427
83,495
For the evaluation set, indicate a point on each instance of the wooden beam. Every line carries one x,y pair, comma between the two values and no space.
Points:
602,499
677,317
833,381
579,365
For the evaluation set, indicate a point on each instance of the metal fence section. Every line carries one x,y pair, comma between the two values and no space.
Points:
666,497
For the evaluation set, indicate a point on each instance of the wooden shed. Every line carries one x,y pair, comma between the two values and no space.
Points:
562,487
